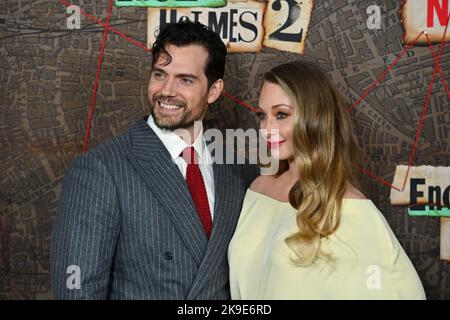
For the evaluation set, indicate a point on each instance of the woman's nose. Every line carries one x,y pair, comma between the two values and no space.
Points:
269,129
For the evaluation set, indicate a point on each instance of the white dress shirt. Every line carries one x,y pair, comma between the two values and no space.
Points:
175,145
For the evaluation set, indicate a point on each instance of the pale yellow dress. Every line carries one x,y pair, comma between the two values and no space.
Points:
369,262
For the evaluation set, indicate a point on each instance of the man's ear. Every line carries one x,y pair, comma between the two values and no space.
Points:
215,91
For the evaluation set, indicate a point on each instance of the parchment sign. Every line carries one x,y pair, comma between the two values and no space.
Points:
286,24
427,189
171,3
425,185
445,239
245,26
425,15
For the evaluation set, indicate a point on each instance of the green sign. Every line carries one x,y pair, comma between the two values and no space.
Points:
443,212
171,3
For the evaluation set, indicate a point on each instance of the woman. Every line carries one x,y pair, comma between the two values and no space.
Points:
308,232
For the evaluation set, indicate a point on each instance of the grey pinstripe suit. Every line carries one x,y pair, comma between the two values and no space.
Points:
126,218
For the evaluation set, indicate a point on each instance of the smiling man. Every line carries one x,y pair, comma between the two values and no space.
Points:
147,215
179,90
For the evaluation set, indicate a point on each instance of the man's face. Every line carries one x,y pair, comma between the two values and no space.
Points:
178,92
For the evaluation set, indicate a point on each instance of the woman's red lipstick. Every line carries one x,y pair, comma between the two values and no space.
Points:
275,144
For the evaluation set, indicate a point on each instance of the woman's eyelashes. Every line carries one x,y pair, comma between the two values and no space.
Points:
279,115
260,115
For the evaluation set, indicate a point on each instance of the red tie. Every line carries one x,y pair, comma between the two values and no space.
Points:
197,188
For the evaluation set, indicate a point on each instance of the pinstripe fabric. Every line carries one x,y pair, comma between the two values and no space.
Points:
126,218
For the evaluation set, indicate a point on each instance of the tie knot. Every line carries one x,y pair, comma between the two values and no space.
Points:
189,155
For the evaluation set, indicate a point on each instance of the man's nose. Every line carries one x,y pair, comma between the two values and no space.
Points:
168,88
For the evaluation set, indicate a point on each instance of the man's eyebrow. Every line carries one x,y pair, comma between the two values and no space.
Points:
156,69
179,75
187,75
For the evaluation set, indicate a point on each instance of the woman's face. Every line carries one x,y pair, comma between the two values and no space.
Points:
276,114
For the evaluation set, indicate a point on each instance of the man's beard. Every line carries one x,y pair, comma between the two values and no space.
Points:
186,121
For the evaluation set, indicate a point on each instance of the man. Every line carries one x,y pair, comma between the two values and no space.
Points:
145,216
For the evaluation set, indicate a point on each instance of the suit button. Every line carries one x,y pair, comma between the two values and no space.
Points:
168,255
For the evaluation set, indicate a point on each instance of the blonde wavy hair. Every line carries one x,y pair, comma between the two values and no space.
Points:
325,150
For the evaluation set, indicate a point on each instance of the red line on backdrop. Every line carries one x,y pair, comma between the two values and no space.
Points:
119,33
97,77
107,27
437,62
370,174
239,101
437,67
430,87
384,73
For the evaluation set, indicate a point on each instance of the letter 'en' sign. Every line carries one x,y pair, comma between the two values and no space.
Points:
427,190
425,15
245,26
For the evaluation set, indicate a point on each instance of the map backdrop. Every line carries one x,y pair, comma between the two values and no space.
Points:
47,73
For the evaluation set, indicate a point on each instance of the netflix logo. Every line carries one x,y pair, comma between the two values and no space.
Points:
427,18
437,9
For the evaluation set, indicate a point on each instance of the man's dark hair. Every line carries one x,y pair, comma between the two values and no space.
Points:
186,33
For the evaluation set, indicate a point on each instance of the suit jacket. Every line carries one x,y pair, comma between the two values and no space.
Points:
127,228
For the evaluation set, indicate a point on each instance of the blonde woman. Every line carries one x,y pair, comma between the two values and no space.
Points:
307,232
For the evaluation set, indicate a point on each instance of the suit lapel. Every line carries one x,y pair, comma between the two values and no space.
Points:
154,163
223,225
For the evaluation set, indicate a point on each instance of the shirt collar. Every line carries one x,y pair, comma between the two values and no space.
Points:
175,145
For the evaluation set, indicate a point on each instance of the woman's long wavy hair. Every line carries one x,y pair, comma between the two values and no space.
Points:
325,151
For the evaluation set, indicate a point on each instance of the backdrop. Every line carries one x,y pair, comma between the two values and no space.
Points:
47,74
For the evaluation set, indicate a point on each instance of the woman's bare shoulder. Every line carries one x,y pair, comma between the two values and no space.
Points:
353,193
262,183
